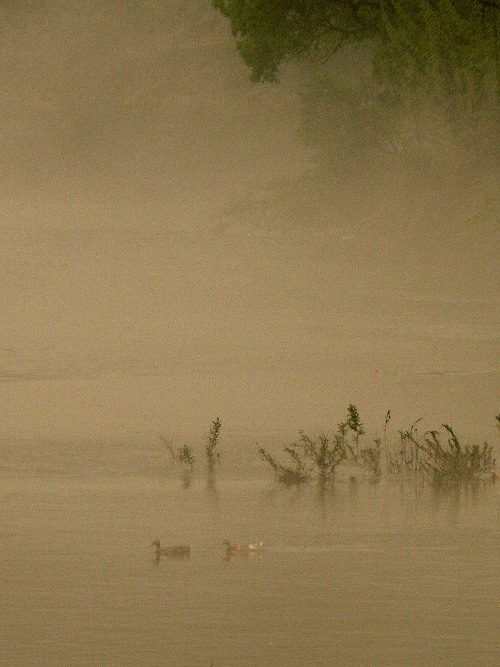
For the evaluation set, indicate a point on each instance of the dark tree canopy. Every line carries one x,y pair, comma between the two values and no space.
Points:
430,59
269,32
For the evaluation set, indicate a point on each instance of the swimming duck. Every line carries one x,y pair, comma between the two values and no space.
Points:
173,552
241,548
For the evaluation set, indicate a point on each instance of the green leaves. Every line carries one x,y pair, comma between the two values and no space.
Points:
453,462
213,437
434,41
439,50
318,458
269,32
433,75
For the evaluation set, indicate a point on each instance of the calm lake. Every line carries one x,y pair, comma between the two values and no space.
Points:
364,574
178,244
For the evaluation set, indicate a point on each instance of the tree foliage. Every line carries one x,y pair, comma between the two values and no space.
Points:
396,93
428,59
269,32
441,54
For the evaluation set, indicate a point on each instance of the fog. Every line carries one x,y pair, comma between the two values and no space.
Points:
157,272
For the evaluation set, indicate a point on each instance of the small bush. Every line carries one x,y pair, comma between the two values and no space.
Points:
405,458
295,473
183,455
453,461
353,424
325,454
212,456
370,456
310,458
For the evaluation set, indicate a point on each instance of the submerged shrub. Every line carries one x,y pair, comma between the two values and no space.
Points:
351,431
318,457
370,456
183,455
404,457
294,473
213,438
451,460
309,458
353,424
325,454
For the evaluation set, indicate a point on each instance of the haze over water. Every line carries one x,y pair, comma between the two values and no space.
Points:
133,301
364,575
150,282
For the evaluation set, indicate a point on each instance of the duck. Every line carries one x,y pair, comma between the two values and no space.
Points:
241,548
173,552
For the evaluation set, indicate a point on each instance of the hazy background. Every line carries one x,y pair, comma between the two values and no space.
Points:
171,250
176,245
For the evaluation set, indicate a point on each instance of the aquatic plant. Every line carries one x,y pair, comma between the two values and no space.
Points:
183,455
294,473
324,453
309,458
384,445
370,456
452,460
353,424
318,458
404,456
212,456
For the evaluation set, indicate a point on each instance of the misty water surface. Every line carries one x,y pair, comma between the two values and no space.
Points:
170,253
363,575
